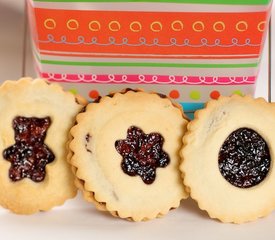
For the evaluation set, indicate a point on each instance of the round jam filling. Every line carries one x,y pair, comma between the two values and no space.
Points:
142,154
244,158
29,155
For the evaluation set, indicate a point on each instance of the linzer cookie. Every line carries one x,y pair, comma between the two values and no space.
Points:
125,154
227,158
35,122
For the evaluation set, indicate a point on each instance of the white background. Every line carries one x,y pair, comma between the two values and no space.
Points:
78,219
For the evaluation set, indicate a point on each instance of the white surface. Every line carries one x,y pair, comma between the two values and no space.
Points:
78,219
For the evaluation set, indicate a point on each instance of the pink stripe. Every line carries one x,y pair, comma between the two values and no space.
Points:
148,79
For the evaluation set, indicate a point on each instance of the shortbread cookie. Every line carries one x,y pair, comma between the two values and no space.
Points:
227,158
35,123
125,154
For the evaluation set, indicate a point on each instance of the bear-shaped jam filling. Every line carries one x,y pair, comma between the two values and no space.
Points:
29,155
142,154
244,158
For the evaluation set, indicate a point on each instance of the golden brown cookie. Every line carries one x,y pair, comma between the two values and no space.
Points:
125,154
228,158
35,122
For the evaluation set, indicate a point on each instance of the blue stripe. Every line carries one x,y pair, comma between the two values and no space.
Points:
190,108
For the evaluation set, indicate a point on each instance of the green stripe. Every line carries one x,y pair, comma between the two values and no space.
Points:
241,2
148,64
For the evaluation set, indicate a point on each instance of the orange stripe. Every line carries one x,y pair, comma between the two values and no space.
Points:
163,26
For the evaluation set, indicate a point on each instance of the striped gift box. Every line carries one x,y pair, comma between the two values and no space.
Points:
189,50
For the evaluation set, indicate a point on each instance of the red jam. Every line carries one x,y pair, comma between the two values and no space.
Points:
142,154
29,155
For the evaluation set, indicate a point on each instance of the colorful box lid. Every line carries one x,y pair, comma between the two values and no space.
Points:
190,50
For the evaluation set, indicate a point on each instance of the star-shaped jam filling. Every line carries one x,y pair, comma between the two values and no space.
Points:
142,154
29,155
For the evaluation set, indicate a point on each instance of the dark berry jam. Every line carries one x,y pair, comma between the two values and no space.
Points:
29,155
88,138
244,158
142,154
161,95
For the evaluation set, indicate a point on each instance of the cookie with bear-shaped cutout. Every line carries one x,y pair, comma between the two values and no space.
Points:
35,122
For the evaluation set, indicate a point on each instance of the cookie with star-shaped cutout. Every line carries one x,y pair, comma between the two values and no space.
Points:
34,130
125,154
